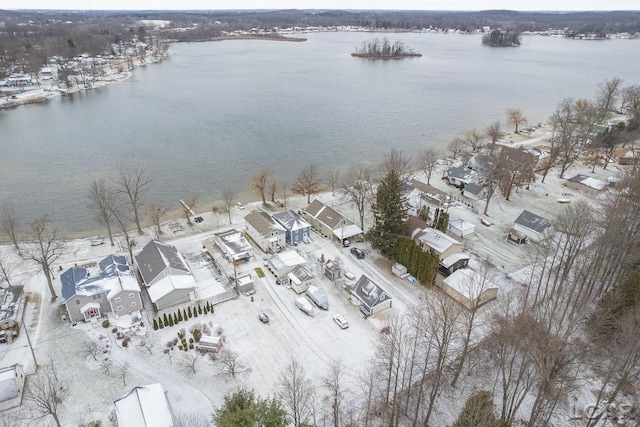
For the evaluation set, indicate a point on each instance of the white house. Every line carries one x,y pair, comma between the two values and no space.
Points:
300,278
533,226
144,406
283,263
11,386
234,246
268,234
437,242
469,288
460,227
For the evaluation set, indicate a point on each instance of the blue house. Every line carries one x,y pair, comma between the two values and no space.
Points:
297,229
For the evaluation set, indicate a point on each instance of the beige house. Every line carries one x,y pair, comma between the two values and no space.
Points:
437,242
469,288
268,234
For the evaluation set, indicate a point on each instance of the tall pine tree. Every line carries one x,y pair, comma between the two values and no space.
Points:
389,212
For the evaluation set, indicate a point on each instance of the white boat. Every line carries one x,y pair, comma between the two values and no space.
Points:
305,305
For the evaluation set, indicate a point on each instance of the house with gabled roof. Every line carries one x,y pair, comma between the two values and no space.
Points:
89,292
533,226
234,246
265,231
437,242
158,260
283,263
459,176
469,288
300,278
371,297
586,183
11,386
144,406
11,309
330,223
297,229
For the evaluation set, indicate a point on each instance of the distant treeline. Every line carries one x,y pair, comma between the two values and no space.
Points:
375,48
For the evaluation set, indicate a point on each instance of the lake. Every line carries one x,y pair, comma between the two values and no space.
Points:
214,112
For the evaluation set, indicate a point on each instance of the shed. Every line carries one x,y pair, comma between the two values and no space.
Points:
244,283
399,269
332,270
531,225
209,343
469,288
460,227
144,406
300,278
454,262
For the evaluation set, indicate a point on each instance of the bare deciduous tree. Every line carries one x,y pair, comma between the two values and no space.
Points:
228,197
332,177
134,185
455,147
7,268
515,118
565,134
91,349
396,160
156,211
189,361
47,246
102,199
192,419
427,161
608,94
495,133
191,202
259,181
10,225
296,393
150,341
473,138
44,394
123,372
273,187
358,187
230,364
307,183
334,383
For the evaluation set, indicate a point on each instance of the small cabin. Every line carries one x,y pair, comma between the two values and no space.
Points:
209,343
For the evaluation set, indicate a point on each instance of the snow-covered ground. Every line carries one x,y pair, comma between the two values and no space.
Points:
263,350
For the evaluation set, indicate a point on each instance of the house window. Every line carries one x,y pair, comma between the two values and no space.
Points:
167,272
132,295
119,308
77,302
118,299
96,297
133,304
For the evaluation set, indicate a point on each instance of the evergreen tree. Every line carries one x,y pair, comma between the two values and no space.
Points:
166,321
190,312
389,212
478,412
243,408
160,323
180,318
175,319
195,312
199,309
184,311
170,320
155,325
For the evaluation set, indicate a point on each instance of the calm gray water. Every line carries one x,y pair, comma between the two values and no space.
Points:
214,112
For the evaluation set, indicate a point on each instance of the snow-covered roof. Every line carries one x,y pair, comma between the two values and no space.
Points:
156,256
591,182
144,406
291,220
473,188
10,300
462,174
112,278
452,259
532,221
263,222
301,273
325,214
233,244
347,231
469,283
8,385
369,293
436,239
461,224
168,284
286,259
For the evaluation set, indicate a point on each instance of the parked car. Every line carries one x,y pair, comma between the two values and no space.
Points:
357,253
341,321
263,317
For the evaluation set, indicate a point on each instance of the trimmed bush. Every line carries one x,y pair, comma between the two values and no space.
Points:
190,312
105,323
190,346
190,340
175,319
180,315
166,321
197,335
125,342
170,320
184,311
155,325
199,309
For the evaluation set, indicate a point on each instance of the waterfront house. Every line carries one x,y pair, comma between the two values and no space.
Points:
331,224
234,246
144,406
533,226
158,260
11,309
460,176
11,386
370,297
265,231
297,229
91,291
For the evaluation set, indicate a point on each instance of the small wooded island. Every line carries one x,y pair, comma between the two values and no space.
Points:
502,38
383,49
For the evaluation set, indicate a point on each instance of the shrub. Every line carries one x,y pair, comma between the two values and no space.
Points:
219,330
191,346
190,312
114,330
199,309
125,342
166,321
155,325
170,320
175,319
184,312
197,335
180,318
105,323
190,340
180,347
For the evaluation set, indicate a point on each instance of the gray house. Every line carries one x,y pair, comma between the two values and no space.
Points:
533,226
157,260
371,297
109,287
166,275
297,229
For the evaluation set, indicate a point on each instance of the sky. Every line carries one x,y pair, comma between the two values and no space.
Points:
522,5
